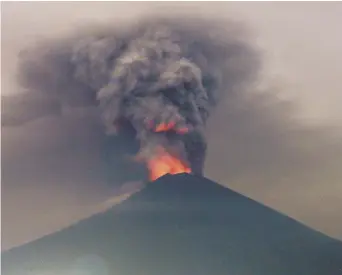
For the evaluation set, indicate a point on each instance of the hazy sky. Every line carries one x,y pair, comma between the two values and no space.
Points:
302,40
302,46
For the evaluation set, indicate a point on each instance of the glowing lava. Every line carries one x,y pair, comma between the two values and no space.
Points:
166,127
164,163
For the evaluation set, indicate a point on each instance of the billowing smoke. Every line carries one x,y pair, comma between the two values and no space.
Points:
156,71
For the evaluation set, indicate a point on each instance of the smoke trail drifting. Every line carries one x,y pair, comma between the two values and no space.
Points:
158,71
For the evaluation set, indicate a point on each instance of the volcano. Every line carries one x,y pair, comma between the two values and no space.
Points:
181,225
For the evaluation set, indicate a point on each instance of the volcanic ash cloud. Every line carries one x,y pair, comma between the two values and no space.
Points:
158,72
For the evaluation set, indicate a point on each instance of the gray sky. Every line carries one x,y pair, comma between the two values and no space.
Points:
302,46
302,40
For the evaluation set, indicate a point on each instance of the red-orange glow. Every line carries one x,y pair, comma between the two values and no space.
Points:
163,127
171,126
164,163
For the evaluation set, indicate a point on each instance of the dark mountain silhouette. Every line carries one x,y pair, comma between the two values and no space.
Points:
181,225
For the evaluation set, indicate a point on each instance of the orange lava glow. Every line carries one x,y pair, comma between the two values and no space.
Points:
164,127
164,163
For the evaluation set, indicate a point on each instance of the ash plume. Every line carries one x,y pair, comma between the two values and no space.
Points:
156,71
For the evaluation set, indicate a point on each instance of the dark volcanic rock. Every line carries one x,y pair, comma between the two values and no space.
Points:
181,225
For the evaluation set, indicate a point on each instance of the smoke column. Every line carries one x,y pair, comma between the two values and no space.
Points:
156,71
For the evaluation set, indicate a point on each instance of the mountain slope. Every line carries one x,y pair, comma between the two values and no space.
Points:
179,225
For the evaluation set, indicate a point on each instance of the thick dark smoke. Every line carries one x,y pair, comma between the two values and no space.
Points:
157,71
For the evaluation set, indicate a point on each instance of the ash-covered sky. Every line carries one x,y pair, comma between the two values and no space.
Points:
51,168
